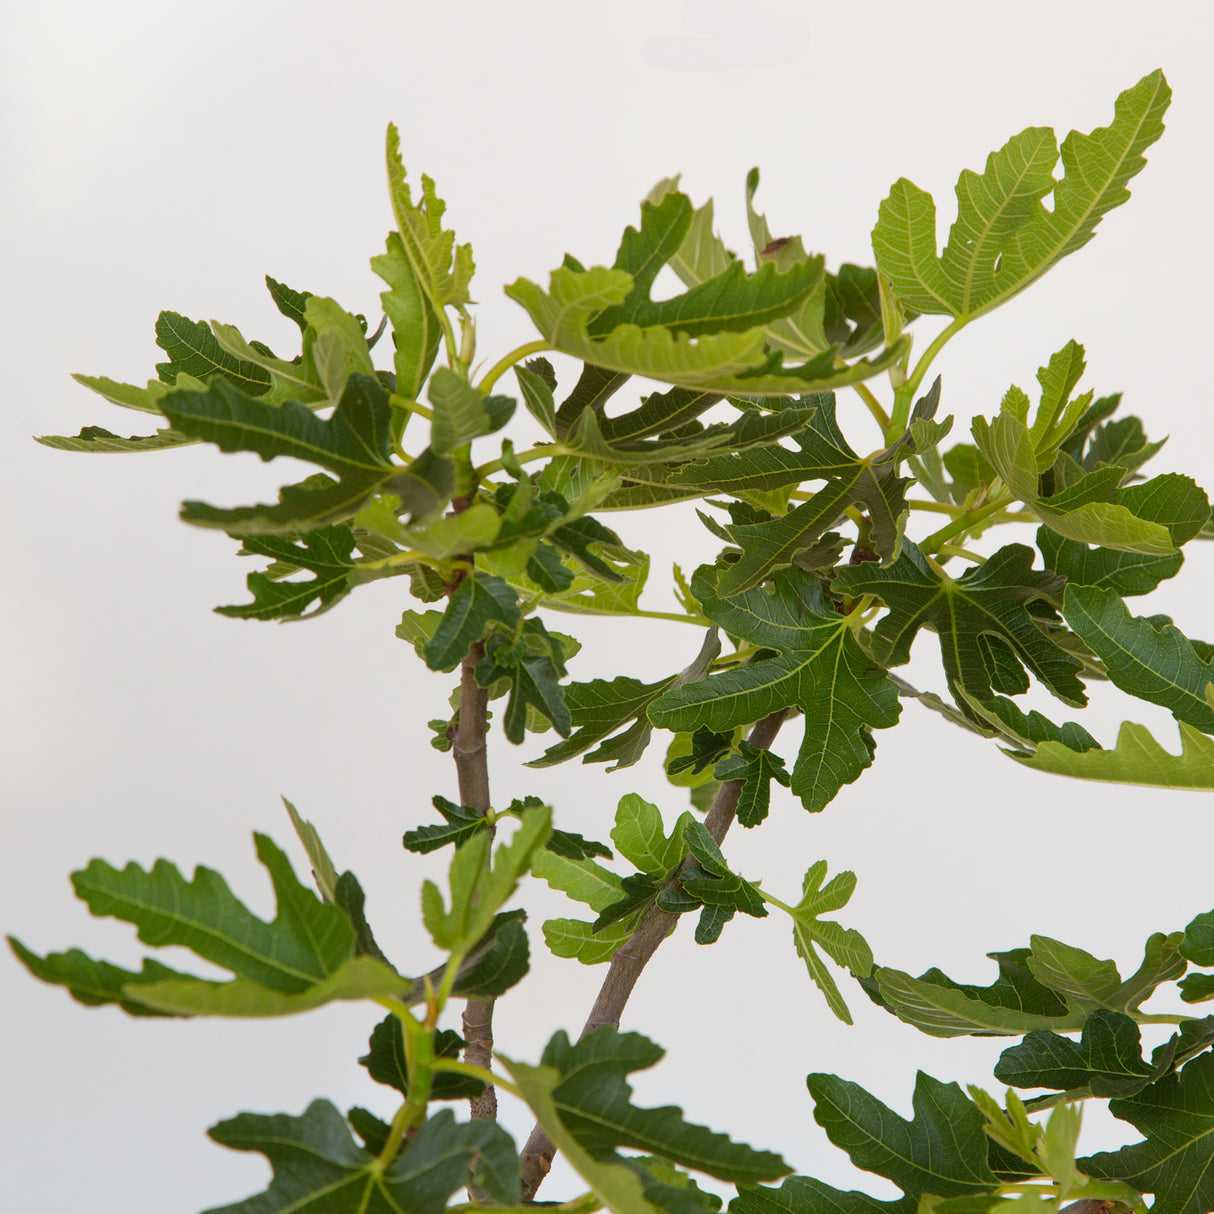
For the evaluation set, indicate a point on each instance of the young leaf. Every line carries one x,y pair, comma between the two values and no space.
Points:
478,600
460,824
324,873
1154,662
1085,980
1175,1161
193,351
531,669
291,303
941,1151
441,269
319,1169
1004,238
416,332
462,412
757,768
820,668
844,946
988,600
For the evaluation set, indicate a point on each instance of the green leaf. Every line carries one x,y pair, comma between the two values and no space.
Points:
844,946
1153,662
1106,1061
292,304
757,768
348,894
537,395
338,346
386,1062
826,454
1086,981
1175,1161
462,412
478,890
1004,238
318,1167
531,669
804,1195
1198,942
478,600
602,708
942,1150
593,1103
615,1184
1136,759
459,825
441,269
326,552
1126,573
96,983
324,873
297,380
989,600
95,440
820,668
573,846
193,351
416,332
1017,1002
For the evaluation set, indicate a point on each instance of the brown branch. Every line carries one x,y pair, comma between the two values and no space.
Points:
469,748
630,959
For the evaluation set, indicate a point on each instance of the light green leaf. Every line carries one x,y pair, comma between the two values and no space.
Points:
338,346
1004,238
323,871
416,333
640,835
288,381
441,269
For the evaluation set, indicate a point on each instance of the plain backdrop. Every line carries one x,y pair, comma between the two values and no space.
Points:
168,155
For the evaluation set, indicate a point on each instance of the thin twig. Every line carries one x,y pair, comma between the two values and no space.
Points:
470,751
630,959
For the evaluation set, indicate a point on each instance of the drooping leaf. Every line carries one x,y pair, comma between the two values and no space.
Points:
1016,1002
710,883
593,1102
459,825
1175,1161
1136,759
845,946
386,1062
820,668
942,1150
990,599
1004,238
1153,662
319,1169
95,440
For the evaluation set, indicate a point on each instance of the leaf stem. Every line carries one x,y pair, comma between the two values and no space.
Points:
507,361
542,451
874,406
964,522
476,1072
629,960
925,361
411,406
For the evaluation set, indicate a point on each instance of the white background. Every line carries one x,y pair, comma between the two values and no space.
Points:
167,156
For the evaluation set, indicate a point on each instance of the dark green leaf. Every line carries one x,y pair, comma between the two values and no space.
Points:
386,1062
348,895
193,351
460,824
478,600
1198,942
593,1100
500,961
533,679
991,599
804,1195
820,668
1107,1060
1087,981
289,302
1124,572
1156,663
942,1150
757,768
1175,1161
576,847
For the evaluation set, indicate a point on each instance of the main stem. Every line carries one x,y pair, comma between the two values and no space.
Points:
631,958
471,755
